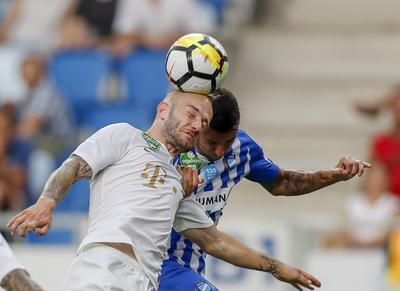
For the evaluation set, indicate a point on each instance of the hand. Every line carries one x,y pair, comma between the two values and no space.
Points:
38,216
347,168
190,179
297,278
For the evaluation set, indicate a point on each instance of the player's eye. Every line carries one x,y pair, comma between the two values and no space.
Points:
191,115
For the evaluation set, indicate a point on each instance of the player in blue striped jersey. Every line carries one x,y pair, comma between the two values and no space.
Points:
224,155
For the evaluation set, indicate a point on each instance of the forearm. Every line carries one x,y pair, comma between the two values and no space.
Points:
294,183
229,249
73,169
19,280
60,181
233,251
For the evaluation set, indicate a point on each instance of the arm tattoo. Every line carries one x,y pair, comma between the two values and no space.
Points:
72,170
272,265
293,183
19,280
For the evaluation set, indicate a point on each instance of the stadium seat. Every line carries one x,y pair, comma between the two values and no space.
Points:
144,77
77,199
56,236
138,118
218,6
80,77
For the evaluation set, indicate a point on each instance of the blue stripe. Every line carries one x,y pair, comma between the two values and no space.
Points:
209,186
242,162
202,262
177,160
187,253
225,174
175,237
212,215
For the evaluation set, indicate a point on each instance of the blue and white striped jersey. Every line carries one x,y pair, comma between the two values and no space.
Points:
245,159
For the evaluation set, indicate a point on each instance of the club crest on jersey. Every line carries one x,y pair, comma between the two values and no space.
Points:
190,159
204,286
210,173
231,162
153,144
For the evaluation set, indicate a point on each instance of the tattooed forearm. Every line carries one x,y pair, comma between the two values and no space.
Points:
19,280
73,169
292,183
272,265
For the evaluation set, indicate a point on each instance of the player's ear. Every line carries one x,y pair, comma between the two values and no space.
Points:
162,110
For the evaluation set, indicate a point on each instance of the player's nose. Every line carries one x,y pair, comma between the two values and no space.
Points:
197,125
219,152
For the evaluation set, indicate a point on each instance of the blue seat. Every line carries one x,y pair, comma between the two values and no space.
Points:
80,77
218,6
56,236
77,199
144,76
138,118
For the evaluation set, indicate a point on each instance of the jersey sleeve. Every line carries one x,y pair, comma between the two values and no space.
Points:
191,214
262,169
106,146
7,259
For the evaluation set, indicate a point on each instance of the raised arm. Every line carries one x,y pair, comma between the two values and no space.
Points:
229,249
39,215
293,183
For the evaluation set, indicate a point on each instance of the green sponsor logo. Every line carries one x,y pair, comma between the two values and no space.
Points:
153,144
190,159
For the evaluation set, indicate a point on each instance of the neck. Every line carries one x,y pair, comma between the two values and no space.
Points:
156,132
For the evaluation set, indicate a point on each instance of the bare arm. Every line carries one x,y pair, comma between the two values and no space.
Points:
19,280
293,183
9,20
229,249
39,215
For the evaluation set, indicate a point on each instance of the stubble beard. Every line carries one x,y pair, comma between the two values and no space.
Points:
171,131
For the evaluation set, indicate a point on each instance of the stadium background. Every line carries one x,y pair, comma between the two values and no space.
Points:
297,68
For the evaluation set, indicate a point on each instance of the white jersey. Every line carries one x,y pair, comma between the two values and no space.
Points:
135,194
7,259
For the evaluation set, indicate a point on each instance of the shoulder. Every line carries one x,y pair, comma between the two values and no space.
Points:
245,140
119,132
122,127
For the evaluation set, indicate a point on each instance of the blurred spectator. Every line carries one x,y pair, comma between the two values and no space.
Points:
375,107
88,23
157,24
11,85
14,156
33,24
43,119
386,146
370,215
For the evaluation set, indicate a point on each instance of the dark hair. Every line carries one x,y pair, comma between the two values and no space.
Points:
226,113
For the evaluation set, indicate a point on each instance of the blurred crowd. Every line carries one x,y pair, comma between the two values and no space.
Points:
70,67
372,216
62,61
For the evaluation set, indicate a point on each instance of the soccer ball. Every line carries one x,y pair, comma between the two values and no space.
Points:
196,63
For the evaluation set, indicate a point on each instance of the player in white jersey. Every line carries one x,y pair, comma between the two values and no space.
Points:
136,198
225,155
13,277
